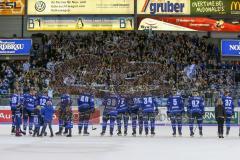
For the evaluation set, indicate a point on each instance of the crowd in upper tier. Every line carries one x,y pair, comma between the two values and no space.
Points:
130,61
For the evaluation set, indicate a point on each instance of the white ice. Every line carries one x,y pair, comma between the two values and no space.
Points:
162,146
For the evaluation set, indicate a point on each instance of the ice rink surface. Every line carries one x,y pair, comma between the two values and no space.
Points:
162,146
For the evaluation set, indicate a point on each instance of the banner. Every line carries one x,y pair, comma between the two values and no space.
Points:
167,7
79,23
6,117
12,7
215,7
15,46
230,47
71,7
234,6
187,24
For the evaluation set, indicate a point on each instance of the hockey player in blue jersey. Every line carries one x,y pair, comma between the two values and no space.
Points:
110,104
42,100
239,106
14,102
18,120
61,110
37,120
150,111
30,102
68,121
135,110
229,109
239,102
85,108
175,110
123,114
195,110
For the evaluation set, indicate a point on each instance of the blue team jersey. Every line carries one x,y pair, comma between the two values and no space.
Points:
14,101
85,101
149,104
66,100
238,102
18,116
42,100
123,106
175,105
30,102
111,103
136,103
195,105
228,105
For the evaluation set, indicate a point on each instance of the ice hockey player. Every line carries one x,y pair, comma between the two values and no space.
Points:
14,102
37,118
175,110
47,113
42,99
68,121
18,120
85,109
239,102
110,104
123,114
135,110
150,111
195,110
229,109
239,106
61,112
30,102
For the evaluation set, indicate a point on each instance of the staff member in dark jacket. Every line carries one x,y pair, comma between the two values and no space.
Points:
220,116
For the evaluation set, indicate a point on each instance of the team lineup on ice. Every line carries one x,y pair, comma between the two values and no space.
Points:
35,113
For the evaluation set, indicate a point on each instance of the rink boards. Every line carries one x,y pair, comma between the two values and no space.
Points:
6,116
161,119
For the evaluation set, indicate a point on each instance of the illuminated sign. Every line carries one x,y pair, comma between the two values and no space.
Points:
78,23
12,7
235,7
171,7
67,7
15,46
160,23
230,47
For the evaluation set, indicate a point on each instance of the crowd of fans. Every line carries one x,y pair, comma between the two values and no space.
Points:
129,61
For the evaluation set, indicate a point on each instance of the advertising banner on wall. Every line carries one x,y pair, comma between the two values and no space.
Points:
6,116
161,119
12,7
187,24
78,23
234,6
230,47
15,47
67,7
215,7
163,7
